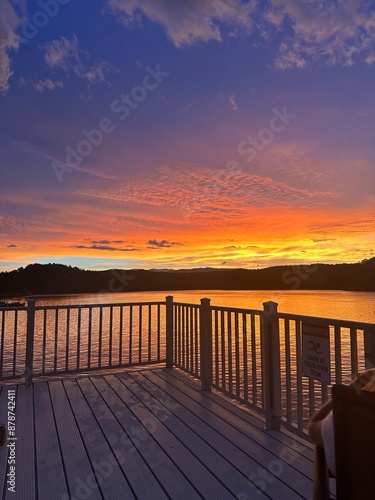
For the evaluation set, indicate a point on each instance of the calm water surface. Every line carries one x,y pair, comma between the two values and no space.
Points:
355,306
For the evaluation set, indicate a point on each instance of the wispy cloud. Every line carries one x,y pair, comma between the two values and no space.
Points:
62,53
11,18
107,242
338,33
41,85
233,102
106,248
209,196
188,22
67,55
162,244
11,224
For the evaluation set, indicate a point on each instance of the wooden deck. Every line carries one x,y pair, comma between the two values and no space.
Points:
147,434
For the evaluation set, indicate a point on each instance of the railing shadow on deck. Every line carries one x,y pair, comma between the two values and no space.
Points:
252,356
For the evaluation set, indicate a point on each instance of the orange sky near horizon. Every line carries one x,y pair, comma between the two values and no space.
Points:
246,236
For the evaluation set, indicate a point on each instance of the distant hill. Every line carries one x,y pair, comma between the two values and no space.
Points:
60,279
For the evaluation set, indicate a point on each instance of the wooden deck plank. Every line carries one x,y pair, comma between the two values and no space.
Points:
112,482
80,475
140,477
244,461
49,465
219,464
251,417
24,460
259,445
239,418
196,473
276,439
284,436
147,433
138,437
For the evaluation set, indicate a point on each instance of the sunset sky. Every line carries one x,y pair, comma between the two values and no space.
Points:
181,134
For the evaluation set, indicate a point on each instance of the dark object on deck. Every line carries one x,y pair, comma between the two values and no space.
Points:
354,428
354,424
321,475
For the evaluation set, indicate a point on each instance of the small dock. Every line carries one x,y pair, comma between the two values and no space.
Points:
146,434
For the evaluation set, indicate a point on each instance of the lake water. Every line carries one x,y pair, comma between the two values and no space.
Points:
354,306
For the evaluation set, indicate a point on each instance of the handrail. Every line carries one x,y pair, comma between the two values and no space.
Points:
359,325
86,306
236,309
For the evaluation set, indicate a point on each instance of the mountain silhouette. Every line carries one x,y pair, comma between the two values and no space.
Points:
50,279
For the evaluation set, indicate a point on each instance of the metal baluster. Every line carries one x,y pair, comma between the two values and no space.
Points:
45,313
15,342
140,334
338,367
149,332
288,368
353,352
244,349
237,354
120,334
67,339
254,376
110,348
299,375
158,335
196,335
223,354
55,347
100,336
90,338
130,334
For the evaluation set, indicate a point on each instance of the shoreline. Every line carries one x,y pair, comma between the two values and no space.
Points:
187,290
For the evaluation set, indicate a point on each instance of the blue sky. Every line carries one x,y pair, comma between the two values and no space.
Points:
156,133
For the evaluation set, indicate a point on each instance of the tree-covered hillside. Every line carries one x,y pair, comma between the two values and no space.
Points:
61,279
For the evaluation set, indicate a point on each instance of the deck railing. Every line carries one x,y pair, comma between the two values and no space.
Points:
253,356
352,350
47,340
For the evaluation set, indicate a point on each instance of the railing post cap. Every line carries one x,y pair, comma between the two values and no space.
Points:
205,302
169,298
270,307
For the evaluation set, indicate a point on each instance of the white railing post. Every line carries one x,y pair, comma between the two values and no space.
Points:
206,344
369,340
30,342
169,331
271,371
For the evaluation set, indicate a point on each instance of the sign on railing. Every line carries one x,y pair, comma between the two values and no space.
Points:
316,362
